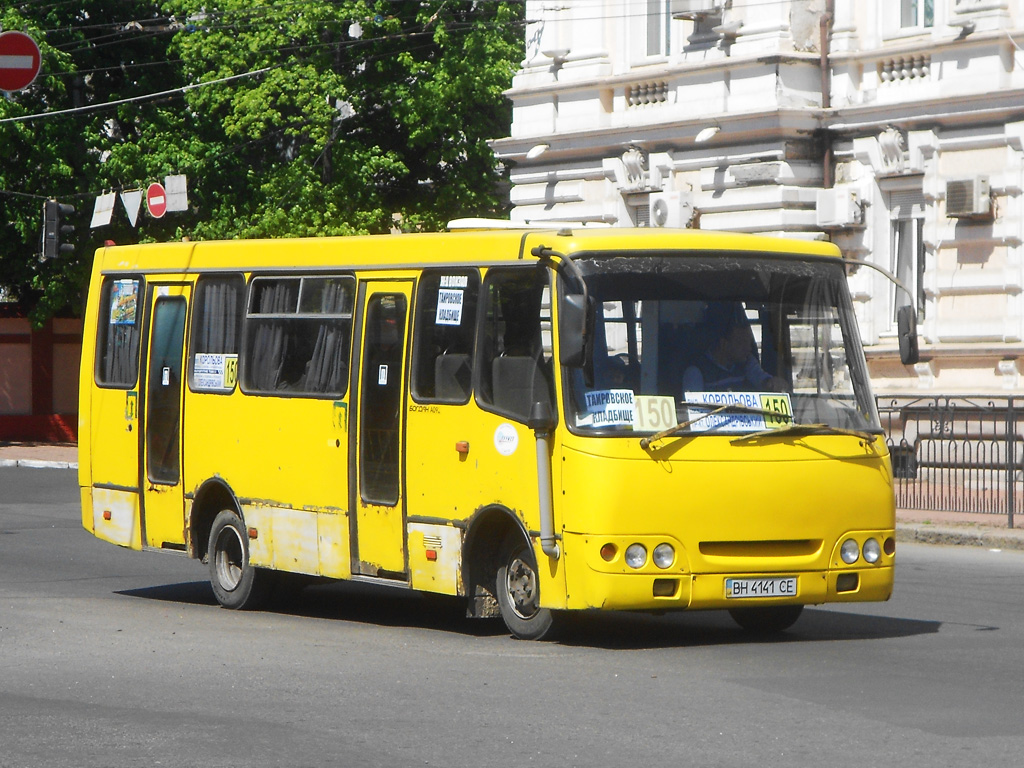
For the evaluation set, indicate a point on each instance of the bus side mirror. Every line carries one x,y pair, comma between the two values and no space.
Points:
906,326
572,327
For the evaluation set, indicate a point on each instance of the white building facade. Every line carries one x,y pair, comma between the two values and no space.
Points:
894,128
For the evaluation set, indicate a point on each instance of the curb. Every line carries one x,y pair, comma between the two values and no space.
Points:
38,464
971,537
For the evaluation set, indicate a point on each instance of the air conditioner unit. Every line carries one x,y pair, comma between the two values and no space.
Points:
968,198
694,9
838,207
669,209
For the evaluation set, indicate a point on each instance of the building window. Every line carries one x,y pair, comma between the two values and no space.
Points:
650,23
906,258
917,13
657,27
907,263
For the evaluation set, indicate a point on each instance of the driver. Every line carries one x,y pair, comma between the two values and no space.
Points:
729,362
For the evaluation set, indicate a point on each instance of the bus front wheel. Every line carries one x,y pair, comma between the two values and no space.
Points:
767,620
518,592
236,583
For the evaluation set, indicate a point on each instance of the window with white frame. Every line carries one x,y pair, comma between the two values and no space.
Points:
906,252
650,22
658,24
917,14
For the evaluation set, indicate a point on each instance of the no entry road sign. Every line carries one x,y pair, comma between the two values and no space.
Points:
19,61
156,200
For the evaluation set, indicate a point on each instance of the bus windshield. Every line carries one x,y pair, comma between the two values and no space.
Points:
720,344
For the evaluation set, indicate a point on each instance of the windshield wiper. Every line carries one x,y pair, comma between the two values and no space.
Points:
809,429
645,443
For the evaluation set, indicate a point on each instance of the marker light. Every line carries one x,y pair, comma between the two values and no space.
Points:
609,551
636,555
849,552
872,550
664,555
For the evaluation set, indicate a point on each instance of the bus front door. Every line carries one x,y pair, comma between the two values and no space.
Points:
163,522
378,524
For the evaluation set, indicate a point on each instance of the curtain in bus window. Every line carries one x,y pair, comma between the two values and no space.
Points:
218,331
328,366
271,342
119,356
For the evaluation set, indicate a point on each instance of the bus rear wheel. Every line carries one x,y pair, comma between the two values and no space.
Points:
767,620
518,592
236,583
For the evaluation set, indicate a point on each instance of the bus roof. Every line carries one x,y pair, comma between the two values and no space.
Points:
481,247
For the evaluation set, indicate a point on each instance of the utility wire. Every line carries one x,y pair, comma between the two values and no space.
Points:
143,97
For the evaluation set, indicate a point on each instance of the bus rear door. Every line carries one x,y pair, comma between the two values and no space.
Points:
163,523
378,522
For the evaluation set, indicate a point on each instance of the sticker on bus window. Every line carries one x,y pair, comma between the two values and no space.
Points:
608,408
124,298
700,403
214,372
449,306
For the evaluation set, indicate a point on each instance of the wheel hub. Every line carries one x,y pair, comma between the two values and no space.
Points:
522,588
229,559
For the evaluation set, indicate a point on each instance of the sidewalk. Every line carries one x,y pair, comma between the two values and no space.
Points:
957,528
39,455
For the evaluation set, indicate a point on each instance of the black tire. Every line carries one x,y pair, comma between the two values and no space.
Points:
767,620
518,592
236,584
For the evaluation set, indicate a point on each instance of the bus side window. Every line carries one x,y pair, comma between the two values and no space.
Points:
217,333
516,366
120,324
443,336
298,335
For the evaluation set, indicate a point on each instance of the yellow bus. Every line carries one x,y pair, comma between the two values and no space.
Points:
537,421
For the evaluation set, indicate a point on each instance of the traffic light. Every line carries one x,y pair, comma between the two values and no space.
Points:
54,232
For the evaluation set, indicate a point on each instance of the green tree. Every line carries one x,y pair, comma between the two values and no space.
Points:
291,118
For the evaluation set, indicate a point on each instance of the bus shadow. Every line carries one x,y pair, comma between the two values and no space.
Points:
343,601
630,631
394,607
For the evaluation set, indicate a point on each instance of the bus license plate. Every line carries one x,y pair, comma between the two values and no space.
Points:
782,587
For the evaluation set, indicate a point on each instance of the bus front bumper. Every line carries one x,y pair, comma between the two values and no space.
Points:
614,588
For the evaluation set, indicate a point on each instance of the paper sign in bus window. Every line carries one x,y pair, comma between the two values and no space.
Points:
214,372
700,403
608,408
449,306
124,298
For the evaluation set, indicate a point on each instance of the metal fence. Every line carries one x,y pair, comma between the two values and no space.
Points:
959,453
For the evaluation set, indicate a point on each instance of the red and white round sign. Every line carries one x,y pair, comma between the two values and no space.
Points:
19,61
156,200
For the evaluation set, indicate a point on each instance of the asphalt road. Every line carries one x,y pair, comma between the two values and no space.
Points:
118,658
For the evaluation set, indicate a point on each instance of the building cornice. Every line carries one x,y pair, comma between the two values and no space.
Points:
926,44
759,126
662,71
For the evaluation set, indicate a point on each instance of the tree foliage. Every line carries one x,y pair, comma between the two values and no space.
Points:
289,118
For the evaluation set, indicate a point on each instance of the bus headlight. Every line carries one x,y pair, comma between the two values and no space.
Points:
849,551
636,555
664,555
872,550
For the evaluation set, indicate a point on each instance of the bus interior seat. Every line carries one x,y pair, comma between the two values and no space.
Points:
518,383
452,377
